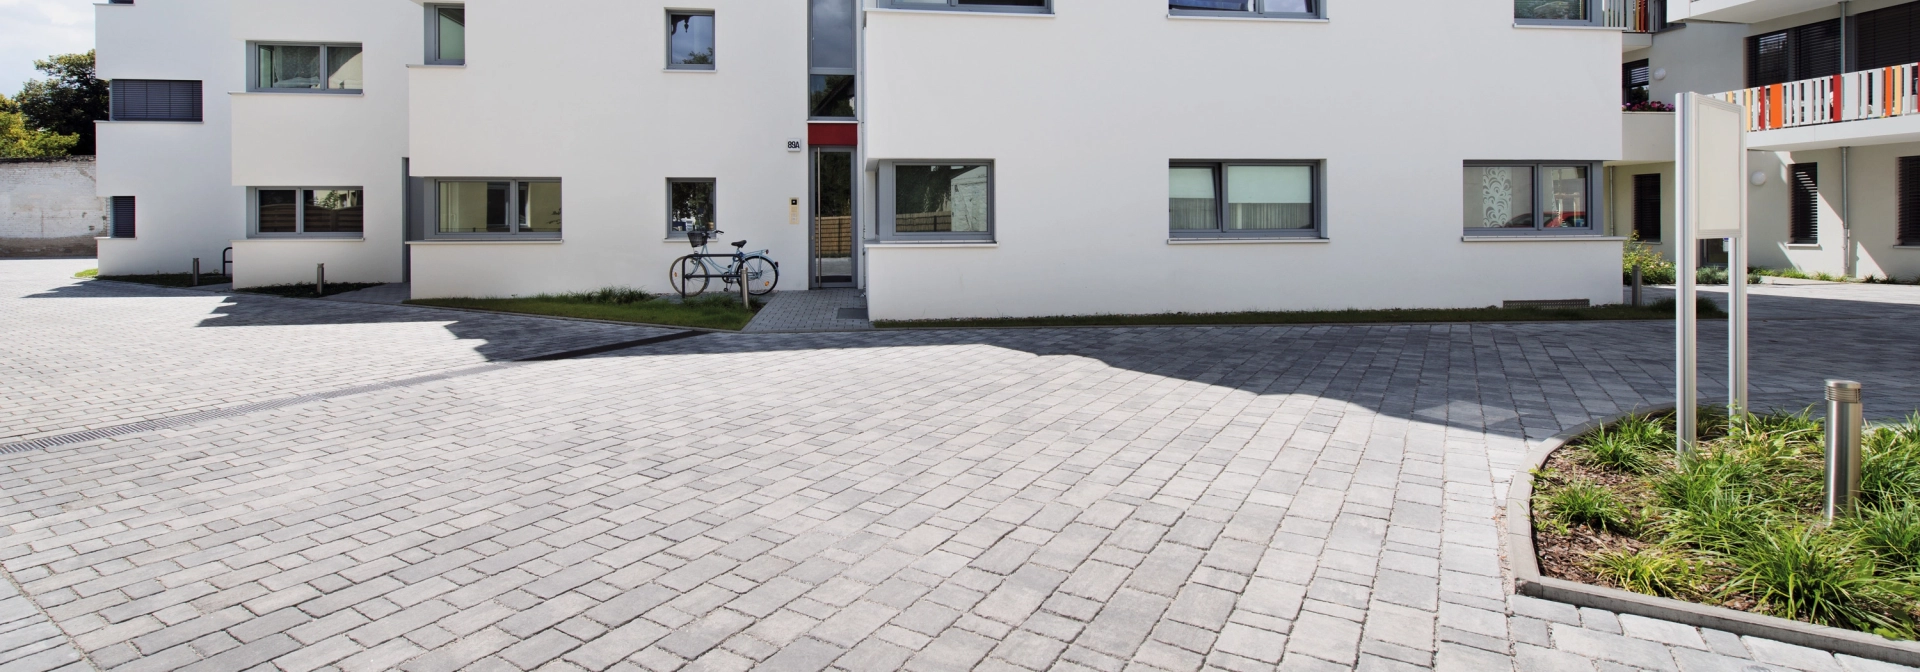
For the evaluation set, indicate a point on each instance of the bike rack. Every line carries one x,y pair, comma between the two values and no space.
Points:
226,263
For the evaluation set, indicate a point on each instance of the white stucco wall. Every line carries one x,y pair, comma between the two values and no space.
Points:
49,199
591,103
1083,111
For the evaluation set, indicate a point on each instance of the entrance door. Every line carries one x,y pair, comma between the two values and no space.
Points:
834,233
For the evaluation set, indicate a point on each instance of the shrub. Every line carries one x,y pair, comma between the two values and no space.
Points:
1654,269
1890,468
1652,571
1583,502
1892,535
1710,501
1621,451
613,296
1822,577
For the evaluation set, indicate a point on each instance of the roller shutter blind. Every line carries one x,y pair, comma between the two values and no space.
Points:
1909,200
1804,211
1646,206
123,217
1800,52
155,100
1886,37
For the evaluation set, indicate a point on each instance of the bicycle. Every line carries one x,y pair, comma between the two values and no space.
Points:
691,274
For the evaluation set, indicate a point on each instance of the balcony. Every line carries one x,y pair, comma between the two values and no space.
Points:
1743,11
1639,18
1868,107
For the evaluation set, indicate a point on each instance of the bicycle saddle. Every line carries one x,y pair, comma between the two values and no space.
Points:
740,244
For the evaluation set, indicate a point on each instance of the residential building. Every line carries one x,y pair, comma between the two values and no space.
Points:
1834,130
953,158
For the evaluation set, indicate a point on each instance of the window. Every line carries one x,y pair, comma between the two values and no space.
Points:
1279,9
1515,198
120,216
1803,213
1647,207
689,41
830,60
1885,37
1551,12
934,201
690,206
1908,195
1636,79
154,100
324,68
1800,52
498,207
1020,6
1243,200
309,211
447,34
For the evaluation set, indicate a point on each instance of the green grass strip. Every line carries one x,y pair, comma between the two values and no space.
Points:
704,314
1662,310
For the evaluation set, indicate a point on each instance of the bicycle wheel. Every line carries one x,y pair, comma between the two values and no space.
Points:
688,276
762,275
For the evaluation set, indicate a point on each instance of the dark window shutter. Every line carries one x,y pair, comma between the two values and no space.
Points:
1886,37
123,217
1767,61
1909,197
1634,78
155,100
1800,52
1804,211
1646,206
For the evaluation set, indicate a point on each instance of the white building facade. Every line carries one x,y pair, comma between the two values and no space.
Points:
953,158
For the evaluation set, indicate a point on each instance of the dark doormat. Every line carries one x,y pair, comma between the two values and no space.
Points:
853,314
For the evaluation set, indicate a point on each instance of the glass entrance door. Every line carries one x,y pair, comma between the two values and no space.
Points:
833,235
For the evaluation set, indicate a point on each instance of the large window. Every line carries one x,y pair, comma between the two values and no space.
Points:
1243,200
1800,52
1025,6
1803,213
1648,207
937,201
1551,12
1885,37
690,40
499,207
1278,9
1908,197
447,34
830,59
320,68
122,210
309,211
690,205
155,100
1510,198
1636,81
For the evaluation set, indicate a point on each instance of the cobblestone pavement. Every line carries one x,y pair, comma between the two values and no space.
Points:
814,310
1299,498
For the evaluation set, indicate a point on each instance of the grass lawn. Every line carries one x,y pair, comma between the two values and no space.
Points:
1738,524
89,273
708,312
305,291
1661,310
161,279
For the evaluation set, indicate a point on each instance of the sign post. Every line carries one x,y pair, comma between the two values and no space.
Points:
1711,148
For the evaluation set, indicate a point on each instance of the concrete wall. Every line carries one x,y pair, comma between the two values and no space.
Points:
1083,111
1702,57
48,207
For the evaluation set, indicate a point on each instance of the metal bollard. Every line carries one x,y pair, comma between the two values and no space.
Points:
1843,447
196,271
320,280
1636,285
746,298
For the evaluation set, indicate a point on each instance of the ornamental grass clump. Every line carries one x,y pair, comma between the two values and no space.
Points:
1656,570
1586,503
1821,576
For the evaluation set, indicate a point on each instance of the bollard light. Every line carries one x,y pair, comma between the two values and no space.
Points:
196,271
1843,447
320,280
1636,285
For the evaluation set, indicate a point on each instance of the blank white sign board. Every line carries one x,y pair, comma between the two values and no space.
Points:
1711,147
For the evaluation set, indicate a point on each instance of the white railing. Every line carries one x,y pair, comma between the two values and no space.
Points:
1636,16
1867,94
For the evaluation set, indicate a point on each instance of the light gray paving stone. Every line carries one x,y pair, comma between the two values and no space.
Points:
1789,655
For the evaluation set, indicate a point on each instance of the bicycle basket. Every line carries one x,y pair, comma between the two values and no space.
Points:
697,238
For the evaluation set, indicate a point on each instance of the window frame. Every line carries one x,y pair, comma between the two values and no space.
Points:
300,213
1220,203
1594,18
955,6
1256,9
253,67
817,71
433,33
668,37
1796,191
1659,200
513,232
888,202
1906,194
714,206
1595,204
117,95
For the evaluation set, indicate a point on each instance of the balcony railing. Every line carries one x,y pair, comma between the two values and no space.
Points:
1868,94
1637,16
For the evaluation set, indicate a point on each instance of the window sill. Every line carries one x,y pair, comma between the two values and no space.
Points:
1246,241
489,241
953,12
297,238
149,121
694,71
438,66
1803,246
953,245
318,93
1566,26
1549,238
1260,19
1906,247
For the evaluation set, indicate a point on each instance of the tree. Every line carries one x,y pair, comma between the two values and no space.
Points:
68,101
19,142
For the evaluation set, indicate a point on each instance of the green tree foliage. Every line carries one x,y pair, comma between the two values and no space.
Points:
68,101
17,141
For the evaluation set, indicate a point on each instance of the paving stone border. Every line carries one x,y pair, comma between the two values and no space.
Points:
1529,582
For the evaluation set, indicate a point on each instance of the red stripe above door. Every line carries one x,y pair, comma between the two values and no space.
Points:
833,135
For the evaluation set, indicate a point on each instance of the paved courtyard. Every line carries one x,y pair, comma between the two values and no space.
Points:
212,482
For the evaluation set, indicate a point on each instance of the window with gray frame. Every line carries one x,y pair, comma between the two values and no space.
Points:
504,207
154,100
121,213
309,211
1273,9
690,40
1015,6
1517,198
315,68
1244,199
690,205
446,34
937,201
1555,12
830,59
